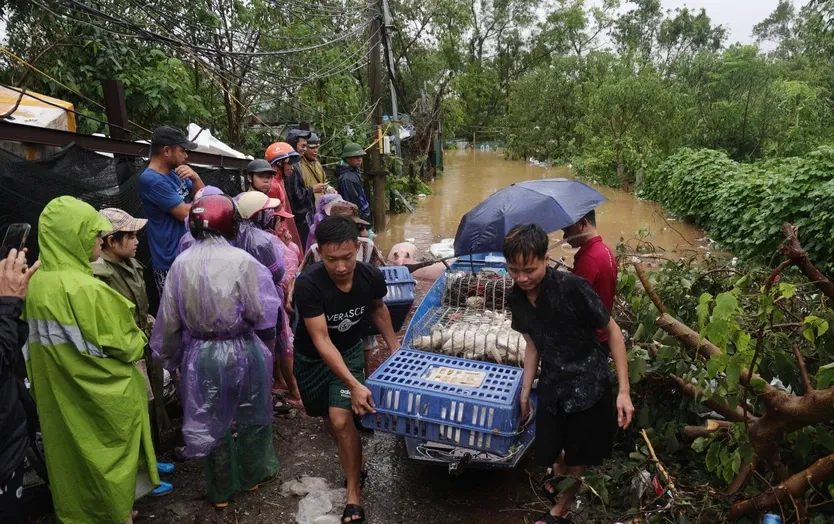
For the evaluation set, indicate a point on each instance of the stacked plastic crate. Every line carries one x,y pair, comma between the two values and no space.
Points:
459,402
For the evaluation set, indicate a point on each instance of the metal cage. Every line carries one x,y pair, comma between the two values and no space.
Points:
487,289
471,333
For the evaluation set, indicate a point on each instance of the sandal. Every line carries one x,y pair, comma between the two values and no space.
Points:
547,518
552,481
353,510
281,407
264,482
220,505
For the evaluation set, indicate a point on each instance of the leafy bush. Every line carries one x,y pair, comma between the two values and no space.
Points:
743,206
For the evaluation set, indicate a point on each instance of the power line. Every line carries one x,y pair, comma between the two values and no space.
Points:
208,50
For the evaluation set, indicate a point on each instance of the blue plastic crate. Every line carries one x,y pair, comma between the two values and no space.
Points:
455,401
401,285
400,297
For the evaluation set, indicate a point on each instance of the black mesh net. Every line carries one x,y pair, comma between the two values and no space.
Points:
27,186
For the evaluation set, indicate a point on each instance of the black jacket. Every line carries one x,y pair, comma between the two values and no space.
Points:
16,406
350,188
301,197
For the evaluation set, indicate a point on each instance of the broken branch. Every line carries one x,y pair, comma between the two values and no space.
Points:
800,361
692,391
706,431
743,476
641,274
792,249
794,486
659,464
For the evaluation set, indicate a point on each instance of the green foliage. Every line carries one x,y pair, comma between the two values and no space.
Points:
726,304
743,206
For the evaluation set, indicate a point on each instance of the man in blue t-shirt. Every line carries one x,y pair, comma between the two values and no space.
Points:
167,187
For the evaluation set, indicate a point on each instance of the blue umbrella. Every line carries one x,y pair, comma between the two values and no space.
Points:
552,203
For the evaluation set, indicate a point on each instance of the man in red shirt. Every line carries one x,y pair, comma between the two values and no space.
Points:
595,262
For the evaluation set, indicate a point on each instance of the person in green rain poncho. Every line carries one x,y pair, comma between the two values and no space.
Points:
91,397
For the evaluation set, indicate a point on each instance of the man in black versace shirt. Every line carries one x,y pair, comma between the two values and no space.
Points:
559,314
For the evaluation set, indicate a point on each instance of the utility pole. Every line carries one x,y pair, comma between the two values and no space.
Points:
389,52
375,79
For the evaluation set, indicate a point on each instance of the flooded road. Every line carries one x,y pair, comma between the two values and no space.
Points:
471,176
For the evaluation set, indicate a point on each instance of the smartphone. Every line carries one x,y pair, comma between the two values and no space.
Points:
16,236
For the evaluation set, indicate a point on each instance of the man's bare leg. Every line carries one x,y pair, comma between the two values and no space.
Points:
286,364
565,503
340,424
559,469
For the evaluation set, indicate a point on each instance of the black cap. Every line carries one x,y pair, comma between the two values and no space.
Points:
169,136
259,165
314,140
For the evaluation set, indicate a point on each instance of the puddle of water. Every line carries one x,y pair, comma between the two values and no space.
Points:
471,176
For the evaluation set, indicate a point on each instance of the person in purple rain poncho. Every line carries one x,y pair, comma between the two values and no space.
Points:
216,297
258,216
320,215
187,240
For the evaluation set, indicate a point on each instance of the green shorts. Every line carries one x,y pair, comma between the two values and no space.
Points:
320,388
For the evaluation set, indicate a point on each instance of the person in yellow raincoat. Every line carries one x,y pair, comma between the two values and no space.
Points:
80,358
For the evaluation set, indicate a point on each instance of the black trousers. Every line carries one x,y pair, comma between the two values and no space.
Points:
11,493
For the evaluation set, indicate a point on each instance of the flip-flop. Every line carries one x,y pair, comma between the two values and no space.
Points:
220,505
553,481
165,468
281,406
353,510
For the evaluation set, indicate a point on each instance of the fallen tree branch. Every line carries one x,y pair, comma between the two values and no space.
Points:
641,274
706,431
792,249
694,392
744,473
794,486
707,349
659,464
800,361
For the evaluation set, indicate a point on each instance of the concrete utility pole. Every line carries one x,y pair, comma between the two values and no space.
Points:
375,79
389,52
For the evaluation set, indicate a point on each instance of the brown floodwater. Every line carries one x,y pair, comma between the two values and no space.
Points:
471,176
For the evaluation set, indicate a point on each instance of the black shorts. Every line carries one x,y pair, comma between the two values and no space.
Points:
587,437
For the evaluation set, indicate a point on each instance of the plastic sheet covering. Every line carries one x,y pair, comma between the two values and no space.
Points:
215,297
236,465
264,247
319,216
285,338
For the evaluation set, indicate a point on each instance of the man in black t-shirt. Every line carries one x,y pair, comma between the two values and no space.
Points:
559,315
333,297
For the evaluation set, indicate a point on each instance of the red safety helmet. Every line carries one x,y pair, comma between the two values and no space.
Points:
216,213
279,151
